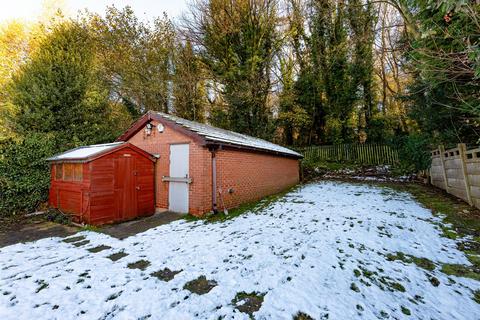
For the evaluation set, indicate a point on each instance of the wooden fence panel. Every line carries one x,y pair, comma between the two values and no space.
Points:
368,154
457,171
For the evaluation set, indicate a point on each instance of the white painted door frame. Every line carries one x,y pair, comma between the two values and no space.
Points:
179,170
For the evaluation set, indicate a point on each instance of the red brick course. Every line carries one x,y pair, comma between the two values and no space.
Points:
244,176
249,175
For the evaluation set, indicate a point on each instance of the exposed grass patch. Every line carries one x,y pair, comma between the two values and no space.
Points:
302,316
406,311
99,248
383,282
84,274
461,270
476,296
117,256
248,302
354,287
253,207
200,285
423,263
73,239
393,285
450,234
81,243
91,228
165,274
434,281
42,284
113,296
474,259
140,264
367,273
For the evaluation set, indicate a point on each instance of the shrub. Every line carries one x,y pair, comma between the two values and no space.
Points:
413,152
24,173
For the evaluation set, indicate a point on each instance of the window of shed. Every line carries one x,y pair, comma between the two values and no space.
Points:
68,173
78,172
58,171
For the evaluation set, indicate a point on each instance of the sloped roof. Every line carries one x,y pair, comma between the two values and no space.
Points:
213,135
85,153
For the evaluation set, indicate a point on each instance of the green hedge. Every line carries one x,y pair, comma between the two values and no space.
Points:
413,151
24,173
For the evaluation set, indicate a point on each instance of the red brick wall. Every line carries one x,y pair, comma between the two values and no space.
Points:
159,143
251,175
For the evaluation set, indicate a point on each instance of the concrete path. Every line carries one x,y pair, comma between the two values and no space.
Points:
130,228
40,229
34,231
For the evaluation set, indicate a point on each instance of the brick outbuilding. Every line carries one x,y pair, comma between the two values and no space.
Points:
201,168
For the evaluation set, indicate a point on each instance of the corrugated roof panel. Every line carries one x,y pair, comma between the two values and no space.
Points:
225,136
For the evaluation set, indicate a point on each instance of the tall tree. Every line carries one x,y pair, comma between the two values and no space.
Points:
238,41
18,39
189,89
389,69
292,60
135,57
331,68
293,117
362,22
14,48
57,91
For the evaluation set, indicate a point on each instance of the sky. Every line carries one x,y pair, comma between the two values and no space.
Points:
31,10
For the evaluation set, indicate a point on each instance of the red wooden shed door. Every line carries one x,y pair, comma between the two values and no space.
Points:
127,194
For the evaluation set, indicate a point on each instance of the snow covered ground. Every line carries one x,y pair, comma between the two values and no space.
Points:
321,250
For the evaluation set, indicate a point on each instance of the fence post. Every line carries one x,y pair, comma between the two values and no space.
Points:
441,149
463,156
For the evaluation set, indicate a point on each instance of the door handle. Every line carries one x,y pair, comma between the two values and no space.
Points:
137,187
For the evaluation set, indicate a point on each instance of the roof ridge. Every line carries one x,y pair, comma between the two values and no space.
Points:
224,135
102,144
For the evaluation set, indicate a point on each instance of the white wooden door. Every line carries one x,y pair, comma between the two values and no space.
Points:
178,190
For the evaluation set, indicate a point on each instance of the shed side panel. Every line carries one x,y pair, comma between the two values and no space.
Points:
69,196
52,192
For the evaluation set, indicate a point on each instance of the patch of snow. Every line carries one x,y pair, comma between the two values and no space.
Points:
85,151
221,135
301,251
368,178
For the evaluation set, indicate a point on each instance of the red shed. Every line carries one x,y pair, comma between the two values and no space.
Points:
103,183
